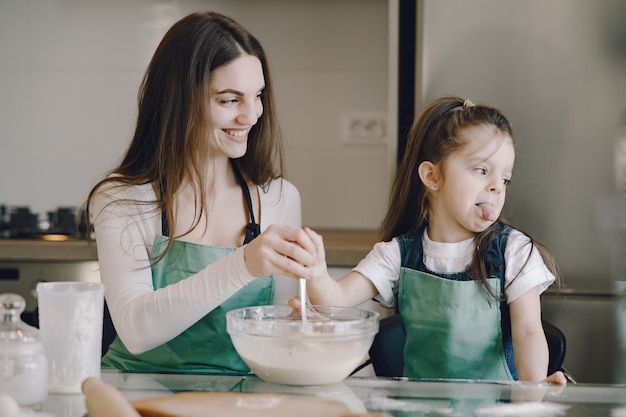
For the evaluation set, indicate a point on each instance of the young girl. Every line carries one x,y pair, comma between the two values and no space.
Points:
467,284
197,219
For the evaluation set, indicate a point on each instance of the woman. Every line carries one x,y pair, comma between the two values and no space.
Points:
176,222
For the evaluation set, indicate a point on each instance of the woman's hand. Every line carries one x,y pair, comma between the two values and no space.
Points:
280,249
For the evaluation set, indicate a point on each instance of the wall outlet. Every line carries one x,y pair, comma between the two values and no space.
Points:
365,128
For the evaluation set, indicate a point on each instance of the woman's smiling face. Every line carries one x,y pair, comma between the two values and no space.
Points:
235,104
472,186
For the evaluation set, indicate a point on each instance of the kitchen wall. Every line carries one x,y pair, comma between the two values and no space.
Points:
70,70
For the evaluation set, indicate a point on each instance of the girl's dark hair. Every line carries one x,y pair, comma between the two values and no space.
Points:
170,140
433,136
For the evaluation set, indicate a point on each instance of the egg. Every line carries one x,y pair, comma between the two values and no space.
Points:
8,406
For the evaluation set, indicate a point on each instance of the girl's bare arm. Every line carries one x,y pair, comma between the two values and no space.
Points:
350,290
529,341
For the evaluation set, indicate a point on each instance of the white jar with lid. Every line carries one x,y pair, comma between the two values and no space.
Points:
23,365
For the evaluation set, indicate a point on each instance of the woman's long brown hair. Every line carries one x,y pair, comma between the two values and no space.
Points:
170,142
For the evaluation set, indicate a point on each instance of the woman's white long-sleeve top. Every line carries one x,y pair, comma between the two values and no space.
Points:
144,317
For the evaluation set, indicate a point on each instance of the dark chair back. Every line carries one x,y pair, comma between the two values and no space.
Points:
387,351
556,346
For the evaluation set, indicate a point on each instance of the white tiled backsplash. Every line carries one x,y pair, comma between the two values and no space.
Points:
70,71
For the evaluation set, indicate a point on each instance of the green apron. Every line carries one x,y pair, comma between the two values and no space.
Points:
452,330
205,347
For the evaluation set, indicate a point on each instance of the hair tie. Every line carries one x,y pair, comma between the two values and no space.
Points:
466,104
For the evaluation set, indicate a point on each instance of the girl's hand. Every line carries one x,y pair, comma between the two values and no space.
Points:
556,378
280,249
318,269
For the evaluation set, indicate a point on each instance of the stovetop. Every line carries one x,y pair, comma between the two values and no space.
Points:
19,222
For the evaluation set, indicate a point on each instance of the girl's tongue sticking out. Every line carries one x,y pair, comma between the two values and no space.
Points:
487,211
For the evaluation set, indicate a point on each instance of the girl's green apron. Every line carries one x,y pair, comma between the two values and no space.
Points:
452,329
205,347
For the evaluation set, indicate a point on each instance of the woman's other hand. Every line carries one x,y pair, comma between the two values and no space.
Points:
311,313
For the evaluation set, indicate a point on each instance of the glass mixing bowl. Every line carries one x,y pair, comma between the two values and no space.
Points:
278,347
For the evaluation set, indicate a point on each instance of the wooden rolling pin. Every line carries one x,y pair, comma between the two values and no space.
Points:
242,404
104,400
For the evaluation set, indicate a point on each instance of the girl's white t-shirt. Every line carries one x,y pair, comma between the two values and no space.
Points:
382,265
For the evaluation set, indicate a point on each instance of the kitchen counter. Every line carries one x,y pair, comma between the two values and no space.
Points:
343,248
366,396
72,250
346,248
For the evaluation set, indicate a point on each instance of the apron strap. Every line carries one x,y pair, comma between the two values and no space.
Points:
253,229
165,225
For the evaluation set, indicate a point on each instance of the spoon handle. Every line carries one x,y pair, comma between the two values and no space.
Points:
303,299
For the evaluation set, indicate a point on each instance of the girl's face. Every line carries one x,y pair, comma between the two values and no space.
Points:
469,193
235,104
